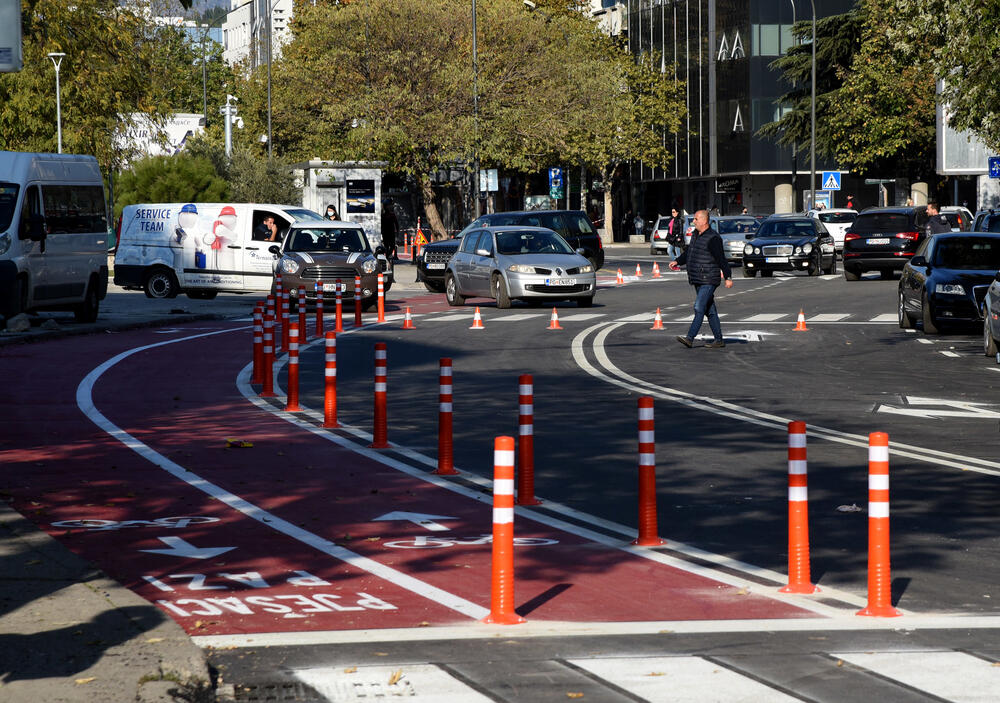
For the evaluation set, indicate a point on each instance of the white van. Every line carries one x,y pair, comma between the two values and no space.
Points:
201,249
53,234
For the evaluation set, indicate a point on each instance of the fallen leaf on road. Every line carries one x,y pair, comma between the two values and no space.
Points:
657,673
381,654
396,676
574,695
351,670
86,680
154,640
424,624
743,591
840,662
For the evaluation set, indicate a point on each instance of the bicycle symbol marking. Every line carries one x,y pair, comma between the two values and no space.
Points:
95,525
422,542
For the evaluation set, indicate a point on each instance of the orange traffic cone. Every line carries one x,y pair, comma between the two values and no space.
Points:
408,321
656,270
554,321
619,280
638,271
800,325
477,321
657,321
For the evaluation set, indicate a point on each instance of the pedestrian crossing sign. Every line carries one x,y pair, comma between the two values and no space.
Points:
831,180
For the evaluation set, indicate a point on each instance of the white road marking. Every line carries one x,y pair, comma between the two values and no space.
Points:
641,317
85,401
951,354
954,676
517,317
691,317
451,317
542,628
421,683
581,316
680,680
766,317
618,377
924,340
886,317
827,317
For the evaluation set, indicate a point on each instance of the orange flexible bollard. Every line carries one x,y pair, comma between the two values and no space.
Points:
381,298
648,530
357,301
285,315
502,586
319,308
879,577
292,404
380,430
339,327
526,441
798,513
330,382
257,374
446,454
267,391
301,307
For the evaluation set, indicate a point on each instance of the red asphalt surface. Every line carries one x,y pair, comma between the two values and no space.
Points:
181,400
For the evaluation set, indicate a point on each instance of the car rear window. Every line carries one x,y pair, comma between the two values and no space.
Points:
837,218
968,253
990,223
869,223
578,224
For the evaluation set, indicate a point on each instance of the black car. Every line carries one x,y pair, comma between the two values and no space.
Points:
946,281
790,243
987,221
991,319
883,239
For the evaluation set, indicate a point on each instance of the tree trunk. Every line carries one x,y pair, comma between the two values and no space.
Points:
607,180
430,209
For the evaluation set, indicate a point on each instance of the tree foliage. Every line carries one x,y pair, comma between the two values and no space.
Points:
170,179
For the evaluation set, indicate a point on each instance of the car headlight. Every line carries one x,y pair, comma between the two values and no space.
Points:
369,265
756,250
289,265
807,248
949,289
748,249
586,269
521,268
4,243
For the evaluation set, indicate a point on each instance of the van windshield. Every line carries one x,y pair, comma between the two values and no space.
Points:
303,215
8,203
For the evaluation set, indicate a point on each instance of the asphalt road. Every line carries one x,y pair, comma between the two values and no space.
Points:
296,513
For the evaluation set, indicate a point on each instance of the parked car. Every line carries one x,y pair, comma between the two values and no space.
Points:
519,263
572,225
328,251
733,229
987,221
790,243
658,239
883,239
991,317
836,221
945,282
958,217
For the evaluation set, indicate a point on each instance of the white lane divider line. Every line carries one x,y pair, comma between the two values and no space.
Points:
952,676
581,316
518,317
767,317
827,317
885,317
451,317
955,355
689,318
85,401
679,680
924,340
420,683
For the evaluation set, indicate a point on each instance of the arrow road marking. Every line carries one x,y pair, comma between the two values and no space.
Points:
181,548
418,519
962,409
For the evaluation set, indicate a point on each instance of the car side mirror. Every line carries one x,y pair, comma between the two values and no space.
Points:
918,261
274,249
997,277
749,236
379,250
483,252
581,251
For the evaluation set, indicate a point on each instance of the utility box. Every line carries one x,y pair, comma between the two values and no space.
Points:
354,188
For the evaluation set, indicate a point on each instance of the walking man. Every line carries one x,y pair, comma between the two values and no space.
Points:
706,268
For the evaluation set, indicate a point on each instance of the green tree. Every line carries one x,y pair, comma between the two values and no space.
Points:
256,180
170,179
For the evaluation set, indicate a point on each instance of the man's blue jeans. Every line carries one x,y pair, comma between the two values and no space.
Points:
704,303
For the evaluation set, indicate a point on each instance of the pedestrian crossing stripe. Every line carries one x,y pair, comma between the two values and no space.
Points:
759,318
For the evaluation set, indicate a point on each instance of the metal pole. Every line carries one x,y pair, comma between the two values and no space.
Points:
204,78
795,143
269,11
812,137
56,58
475,111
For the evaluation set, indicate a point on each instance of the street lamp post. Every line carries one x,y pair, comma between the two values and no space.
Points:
812,135
57,57
475,113
270,11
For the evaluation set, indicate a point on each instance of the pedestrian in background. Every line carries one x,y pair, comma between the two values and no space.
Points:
331,212
936,222
850,202
675,234
390,228
637,223
744,211
707,268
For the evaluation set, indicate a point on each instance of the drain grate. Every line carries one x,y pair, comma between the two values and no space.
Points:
273,692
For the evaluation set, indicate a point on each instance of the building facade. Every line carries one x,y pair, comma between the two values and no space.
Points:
721,50
245,31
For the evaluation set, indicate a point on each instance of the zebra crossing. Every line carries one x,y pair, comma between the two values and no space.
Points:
918,675
491,315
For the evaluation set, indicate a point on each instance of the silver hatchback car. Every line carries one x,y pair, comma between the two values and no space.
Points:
518,263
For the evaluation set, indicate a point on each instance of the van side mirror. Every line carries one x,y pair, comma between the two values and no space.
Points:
274,249
34,229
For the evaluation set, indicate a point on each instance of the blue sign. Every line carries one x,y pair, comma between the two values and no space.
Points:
994,166
555,183
831,180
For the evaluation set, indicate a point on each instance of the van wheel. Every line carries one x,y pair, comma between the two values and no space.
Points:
18,299
161,283
87,310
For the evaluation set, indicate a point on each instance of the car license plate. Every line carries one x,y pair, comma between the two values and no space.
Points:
879,240
776,259
435,267
329,287
560,281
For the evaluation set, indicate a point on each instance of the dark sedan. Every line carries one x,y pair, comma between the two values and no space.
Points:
433,261
883,239
790,243
945,282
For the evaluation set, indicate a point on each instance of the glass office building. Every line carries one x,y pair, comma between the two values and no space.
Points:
722,50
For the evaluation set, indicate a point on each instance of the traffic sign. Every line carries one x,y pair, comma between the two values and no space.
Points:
831,180
994,166
555,183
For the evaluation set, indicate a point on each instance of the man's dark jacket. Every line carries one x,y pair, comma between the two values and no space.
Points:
705,259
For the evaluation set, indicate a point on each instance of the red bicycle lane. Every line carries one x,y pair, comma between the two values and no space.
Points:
299,514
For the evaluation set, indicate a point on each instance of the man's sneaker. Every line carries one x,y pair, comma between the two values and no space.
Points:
716,344
686,342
